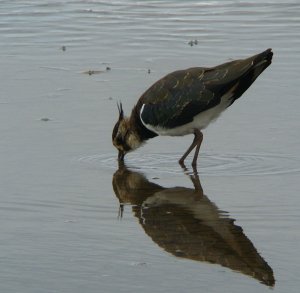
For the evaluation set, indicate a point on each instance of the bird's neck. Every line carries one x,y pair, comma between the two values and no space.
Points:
138,127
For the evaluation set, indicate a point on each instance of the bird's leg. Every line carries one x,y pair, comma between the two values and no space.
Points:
192,146
196,143
199,136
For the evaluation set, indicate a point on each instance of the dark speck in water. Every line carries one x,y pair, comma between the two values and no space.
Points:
91,72
193,42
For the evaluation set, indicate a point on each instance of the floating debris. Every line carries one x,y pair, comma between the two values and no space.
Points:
91,72
45,119
149,71
193,42
64,48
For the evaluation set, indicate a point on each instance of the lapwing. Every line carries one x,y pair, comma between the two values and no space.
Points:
185,102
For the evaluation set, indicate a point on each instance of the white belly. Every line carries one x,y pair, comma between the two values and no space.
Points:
200,121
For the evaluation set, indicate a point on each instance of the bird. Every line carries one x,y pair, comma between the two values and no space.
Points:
186,102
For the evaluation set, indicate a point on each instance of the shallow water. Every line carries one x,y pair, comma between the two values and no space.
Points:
72,222
211,164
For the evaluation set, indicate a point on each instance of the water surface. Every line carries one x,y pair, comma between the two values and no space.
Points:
72,221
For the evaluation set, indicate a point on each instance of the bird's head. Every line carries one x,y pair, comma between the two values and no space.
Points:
124,138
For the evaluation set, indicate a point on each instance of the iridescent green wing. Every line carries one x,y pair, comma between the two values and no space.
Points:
177,98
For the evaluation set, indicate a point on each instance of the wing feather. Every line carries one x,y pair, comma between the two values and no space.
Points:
178,97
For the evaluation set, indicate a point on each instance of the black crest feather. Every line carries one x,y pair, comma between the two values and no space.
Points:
120,109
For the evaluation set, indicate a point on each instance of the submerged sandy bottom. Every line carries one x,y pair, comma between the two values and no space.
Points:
73,221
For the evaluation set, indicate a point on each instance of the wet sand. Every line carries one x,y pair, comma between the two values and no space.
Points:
72,221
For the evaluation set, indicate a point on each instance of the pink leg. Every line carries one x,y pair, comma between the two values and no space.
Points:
196,143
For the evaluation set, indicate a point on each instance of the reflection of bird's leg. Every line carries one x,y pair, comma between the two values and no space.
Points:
196,180
196,143
194,177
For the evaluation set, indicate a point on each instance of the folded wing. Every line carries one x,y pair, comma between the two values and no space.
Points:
178,97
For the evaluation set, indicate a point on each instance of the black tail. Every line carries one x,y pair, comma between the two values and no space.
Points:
261,62
255,66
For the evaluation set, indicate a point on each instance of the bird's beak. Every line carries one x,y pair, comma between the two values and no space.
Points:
121,156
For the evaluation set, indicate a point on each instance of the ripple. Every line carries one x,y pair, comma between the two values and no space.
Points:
209,164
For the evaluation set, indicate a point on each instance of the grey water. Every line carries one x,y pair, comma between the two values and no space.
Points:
72,221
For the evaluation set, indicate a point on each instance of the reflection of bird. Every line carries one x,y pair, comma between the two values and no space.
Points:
185,223
185,102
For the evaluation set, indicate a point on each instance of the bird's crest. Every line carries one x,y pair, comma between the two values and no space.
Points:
121,112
